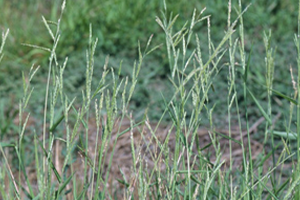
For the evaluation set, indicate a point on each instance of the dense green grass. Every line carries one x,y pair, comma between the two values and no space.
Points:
119,26
219,69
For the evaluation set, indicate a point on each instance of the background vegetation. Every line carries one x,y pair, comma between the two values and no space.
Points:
119,25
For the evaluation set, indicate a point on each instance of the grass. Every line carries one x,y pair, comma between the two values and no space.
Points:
94,146
112,33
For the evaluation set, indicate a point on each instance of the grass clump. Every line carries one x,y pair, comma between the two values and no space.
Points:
81,150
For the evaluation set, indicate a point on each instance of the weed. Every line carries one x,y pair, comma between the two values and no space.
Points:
93,146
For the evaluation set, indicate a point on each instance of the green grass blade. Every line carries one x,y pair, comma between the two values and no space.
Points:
285,96
51,164
260,108
281,95
228,138
248,64
291,135
266,187
62,187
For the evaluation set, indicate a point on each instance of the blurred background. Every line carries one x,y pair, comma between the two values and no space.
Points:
119,25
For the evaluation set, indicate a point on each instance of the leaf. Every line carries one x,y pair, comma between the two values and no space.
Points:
260,108
282,95
6,144
247,65
291,136
62,187
268,155
123,182
285,97
83,191
51,164
229,138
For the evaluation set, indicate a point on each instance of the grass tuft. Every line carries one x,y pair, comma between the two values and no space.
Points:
94,147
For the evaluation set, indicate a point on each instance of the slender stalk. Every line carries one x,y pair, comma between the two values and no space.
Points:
246,157
297,41
229,98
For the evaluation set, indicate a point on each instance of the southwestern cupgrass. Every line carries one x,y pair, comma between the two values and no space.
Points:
82,146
